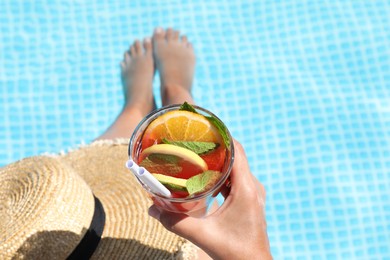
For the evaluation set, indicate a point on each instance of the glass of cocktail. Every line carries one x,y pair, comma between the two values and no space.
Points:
189,150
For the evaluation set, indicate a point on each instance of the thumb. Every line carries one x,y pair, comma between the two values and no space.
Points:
180,224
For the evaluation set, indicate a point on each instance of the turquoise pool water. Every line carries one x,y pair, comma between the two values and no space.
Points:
304,85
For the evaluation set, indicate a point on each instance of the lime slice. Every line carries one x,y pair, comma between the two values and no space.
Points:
173,150
172,183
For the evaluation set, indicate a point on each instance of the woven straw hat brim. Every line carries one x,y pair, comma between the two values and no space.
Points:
45,209
129,232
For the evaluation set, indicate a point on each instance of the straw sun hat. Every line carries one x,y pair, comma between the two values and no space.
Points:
81,204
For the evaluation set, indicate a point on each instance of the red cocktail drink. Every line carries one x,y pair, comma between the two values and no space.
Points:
189,150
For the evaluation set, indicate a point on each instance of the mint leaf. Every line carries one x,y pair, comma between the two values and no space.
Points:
187,107
217,123
161,163
202,182
196,147
221,129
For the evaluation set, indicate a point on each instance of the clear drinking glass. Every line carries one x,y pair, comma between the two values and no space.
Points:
197,205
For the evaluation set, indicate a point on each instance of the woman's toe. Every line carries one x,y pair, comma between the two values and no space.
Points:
175,35
184,39
170,34
159,34
138,47
147,46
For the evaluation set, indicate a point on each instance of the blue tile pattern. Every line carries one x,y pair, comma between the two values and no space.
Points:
304,85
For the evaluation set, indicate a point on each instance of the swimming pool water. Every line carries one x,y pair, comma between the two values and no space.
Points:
303,85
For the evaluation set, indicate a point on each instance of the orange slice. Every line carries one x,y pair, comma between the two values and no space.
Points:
180,125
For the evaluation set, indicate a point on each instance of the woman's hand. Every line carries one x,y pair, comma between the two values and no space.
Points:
236,230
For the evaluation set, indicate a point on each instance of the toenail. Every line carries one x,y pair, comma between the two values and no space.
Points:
147,40
158,30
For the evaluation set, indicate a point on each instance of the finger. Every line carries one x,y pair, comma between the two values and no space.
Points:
240,174
245,186
180,224
260,187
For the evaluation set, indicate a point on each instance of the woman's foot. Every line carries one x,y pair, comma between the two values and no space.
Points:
137,79
175,60
137,76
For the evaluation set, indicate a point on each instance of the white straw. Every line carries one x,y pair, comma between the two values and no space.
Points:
147,178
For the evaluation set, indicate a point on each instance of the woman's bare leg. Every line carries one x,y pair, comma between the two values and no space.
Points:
137,79
175,60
